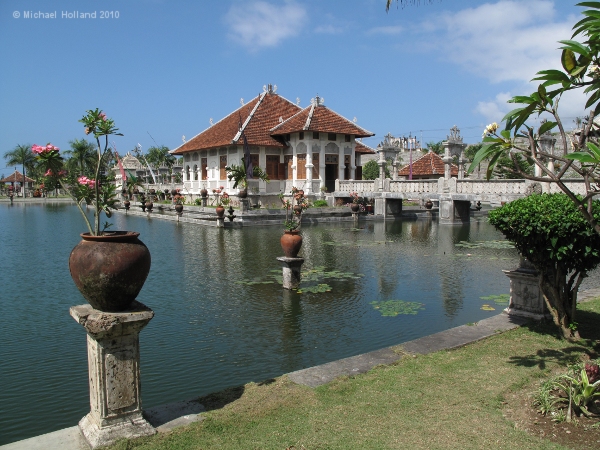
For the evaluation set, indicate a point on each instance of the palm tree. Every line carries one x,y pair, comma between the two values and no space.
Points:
83,156
21,154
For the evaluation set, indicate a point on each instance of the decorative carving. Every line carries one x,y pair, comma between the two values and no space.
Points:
317,101
298,101
242,101
534,188
183,138
211,121
455,137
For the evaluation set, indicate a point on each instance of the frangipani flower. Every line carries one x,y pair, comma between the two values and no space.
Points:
490,129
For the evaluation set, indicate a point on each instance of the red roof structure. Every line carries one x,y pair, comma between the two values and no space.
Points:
429,165
319,118
363,148
257,117
265,121
16,177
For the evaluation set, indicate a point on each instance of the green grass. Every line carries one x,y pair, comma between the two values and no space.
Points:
447,399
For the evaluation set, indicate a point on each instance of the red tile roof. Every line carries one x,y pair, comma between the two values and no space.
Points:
322,119
363,148
265,116
426,165
16,177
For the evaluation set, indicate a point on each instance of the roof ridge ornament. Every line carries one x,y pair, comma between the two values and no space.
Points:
211,121
298,101
318,101
242,101
269,88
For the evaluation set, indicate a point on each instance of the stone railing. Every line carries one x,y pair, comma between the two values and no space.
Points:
497,187
355,186
414,186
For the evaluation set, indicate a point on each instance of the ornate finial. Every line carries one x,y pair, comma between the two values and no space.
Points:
274,88
211,122
355,119
318,101
455,137
280,119
183,138
390,141
242,101
298,101
264,88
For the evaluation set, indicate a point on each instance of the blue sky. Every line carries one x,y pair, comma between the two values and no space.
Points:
166,68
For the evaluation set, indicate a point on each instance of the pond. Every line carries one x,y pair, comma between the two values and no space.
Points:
222,317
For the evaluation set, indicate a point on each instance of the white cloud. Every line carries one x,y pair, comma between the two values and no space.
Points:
329,29
496,109
389,30
262,24
504,41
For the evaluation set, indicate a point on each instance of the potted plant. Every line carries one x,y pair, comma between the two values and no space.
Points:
178,200
108,268
357,203
220,210
238,174
291,241
203,191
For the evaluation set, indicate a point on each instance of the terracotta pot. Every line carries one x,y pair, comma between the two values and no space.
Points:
220,212
173,191
298,209
243,193
127,204
110,270
428,204
149,206
291,241
203,193
355,207
179,208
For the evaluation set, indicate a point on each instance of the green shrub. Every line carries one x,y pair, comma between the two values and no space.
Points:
320,203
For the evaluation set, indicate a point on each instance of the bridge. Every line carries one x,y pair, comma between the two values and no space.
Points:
454,196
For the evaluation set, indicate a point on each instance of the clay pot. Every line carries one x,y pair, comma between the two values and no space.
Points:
220,212
149,206
291,241
428,204
179,208
243,193
355,207
110,270
297,209
203,193
126,204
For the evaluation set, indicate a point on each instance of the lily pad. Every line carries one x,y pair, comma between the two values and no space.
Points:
488,308
391,308
501,299
322,287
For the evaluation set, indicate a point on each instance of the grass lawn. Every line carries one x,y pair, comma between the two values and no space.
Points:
447,399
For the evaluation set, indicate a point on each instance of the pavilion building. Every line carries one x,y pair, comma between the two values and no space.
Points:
428,167
308,148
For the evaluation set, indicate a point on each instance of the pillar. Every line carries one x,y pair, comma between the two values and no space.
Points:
291,271
526,298
114,373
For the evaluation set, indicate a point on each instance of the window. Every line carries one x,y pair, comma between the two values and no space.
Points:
273,167
301,136
347,138
315,135
331,136
288,165
315,160
222,165
287,137
195,172
301,167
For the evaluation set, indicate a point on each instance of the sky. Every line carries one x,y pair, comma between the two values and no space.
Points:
163,69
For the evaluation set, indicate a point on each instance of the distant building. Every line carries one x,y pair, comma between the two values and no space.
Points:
429,166
308,148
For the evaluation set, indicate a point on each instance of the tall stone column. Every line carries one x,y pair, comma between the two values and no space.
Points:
309,172
114,373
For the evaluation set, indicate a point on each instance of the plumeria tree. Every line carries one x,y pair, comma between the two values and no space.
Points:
519,140
81,188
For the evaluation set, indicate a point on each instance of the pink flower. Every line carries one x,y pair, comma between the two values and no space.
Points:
221,187
62,173
83,180
103,116
48,173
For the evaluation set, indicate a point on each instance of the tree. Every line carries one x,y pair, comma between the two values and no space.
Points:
160,156
549,231
82,157
579,60
238,174
435,147
21,154
370,170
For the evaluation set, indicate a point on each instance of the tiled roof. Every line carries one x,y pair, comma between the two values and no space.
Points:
363,148
318,117
428,164
266,116
16,177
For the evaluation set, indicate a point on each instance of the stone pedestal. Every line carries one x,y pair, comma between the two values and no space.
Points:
291,271
204,201
244,204
114,373
526,298
220,222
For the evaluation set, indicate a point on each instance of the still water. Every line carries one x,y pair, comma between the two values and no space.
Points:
221,318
